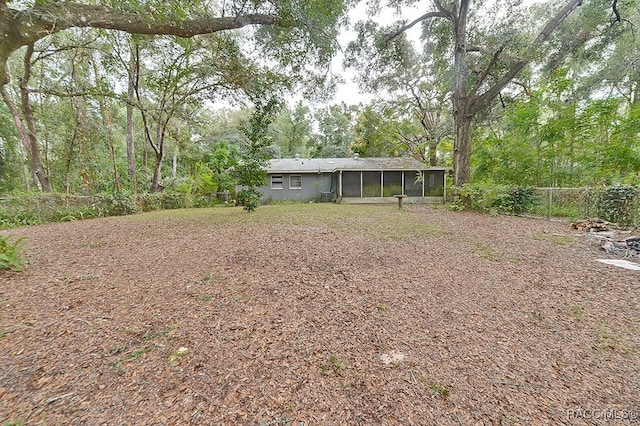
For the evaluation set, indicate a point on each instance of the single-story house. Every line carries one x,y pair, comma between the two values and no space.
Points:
355,179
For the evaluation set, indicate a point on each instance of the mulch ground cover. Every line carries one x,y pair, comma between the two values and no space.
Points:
315,315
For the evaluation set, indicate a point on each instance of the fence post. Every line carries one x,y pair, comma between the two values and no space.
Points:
549,202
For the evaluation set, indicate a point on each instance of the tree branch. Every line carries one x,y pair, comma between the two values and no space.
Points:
54,17
23,27
524,86
616,12
406,27
487,70
479,102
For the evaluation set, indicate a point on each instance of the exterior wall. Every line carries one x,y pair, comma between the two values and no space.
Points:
311,188
355,185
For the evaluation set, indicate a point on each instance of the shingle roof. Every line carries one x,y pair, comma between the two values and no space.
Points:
329,165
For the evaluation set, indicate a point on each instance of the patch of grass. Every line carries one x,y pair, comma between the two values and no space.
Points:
487,252
163,333
439,390
206,297
118,366
137,353
118,348
17,422
333,364
605,337
558,239
576,312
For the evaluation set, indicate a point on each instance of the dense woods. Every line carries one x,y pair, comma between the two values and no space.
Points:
134,96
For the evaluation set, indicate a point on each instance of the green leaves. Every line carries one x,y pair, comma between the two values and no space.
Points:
251,170
10,253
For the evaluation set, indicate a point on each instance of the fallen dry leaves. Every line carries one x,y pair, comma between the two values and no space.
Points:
326,314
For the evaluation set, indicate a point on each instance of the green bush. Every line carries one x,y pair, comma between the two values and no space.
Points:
517,200
492,198
249,199
117,204
617,204
26,210
10,254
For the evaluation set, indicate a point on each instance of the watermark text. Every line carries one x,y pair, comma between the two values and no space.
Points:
603,414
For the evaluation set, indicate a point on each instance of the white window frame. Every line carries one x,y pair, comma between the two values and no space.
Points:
277,182
299,178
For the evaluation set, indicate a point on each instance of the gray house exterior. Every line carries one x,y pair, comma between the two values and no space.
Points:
355,179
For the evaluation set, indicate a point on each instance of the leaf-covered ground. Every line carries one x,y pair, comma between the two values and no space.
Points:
317,314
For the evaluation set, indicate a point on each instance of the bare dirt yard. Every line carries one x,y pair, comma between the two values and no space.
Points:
314,315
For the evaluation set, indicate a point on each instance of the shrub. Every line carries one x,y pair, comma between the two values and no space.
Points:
117,204
10,254
492,198
618,204
517,200
249,199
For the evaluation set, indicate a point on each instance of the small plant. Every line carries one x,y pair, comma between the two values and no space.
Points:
487,252
382,308
206,297
136,354
439,390
577,312
153,334
332,364
249,199
118,365
10,254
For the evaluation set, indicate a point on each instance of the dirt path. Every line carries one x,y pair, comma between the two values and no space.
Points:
322,314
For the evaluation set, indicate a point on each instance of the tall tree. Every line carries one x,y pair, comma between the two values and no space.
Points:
487,49
292,130
296,34
335,131
251,169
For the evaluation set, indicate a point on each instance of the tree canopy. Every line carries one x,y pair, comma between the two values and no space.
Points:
142,94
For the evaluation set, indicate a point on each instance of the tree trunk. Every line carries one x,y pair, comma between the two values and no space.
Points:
433,153
174,164
159,150
157,174
35,159
107,122
462,150
131,149
461,120
22,133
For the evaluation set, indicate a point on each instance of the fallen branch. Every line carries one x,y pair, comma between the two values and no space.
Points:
56,398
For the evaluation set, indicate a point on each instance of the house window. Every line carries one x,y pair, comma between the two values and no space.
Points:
277,182
295,182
